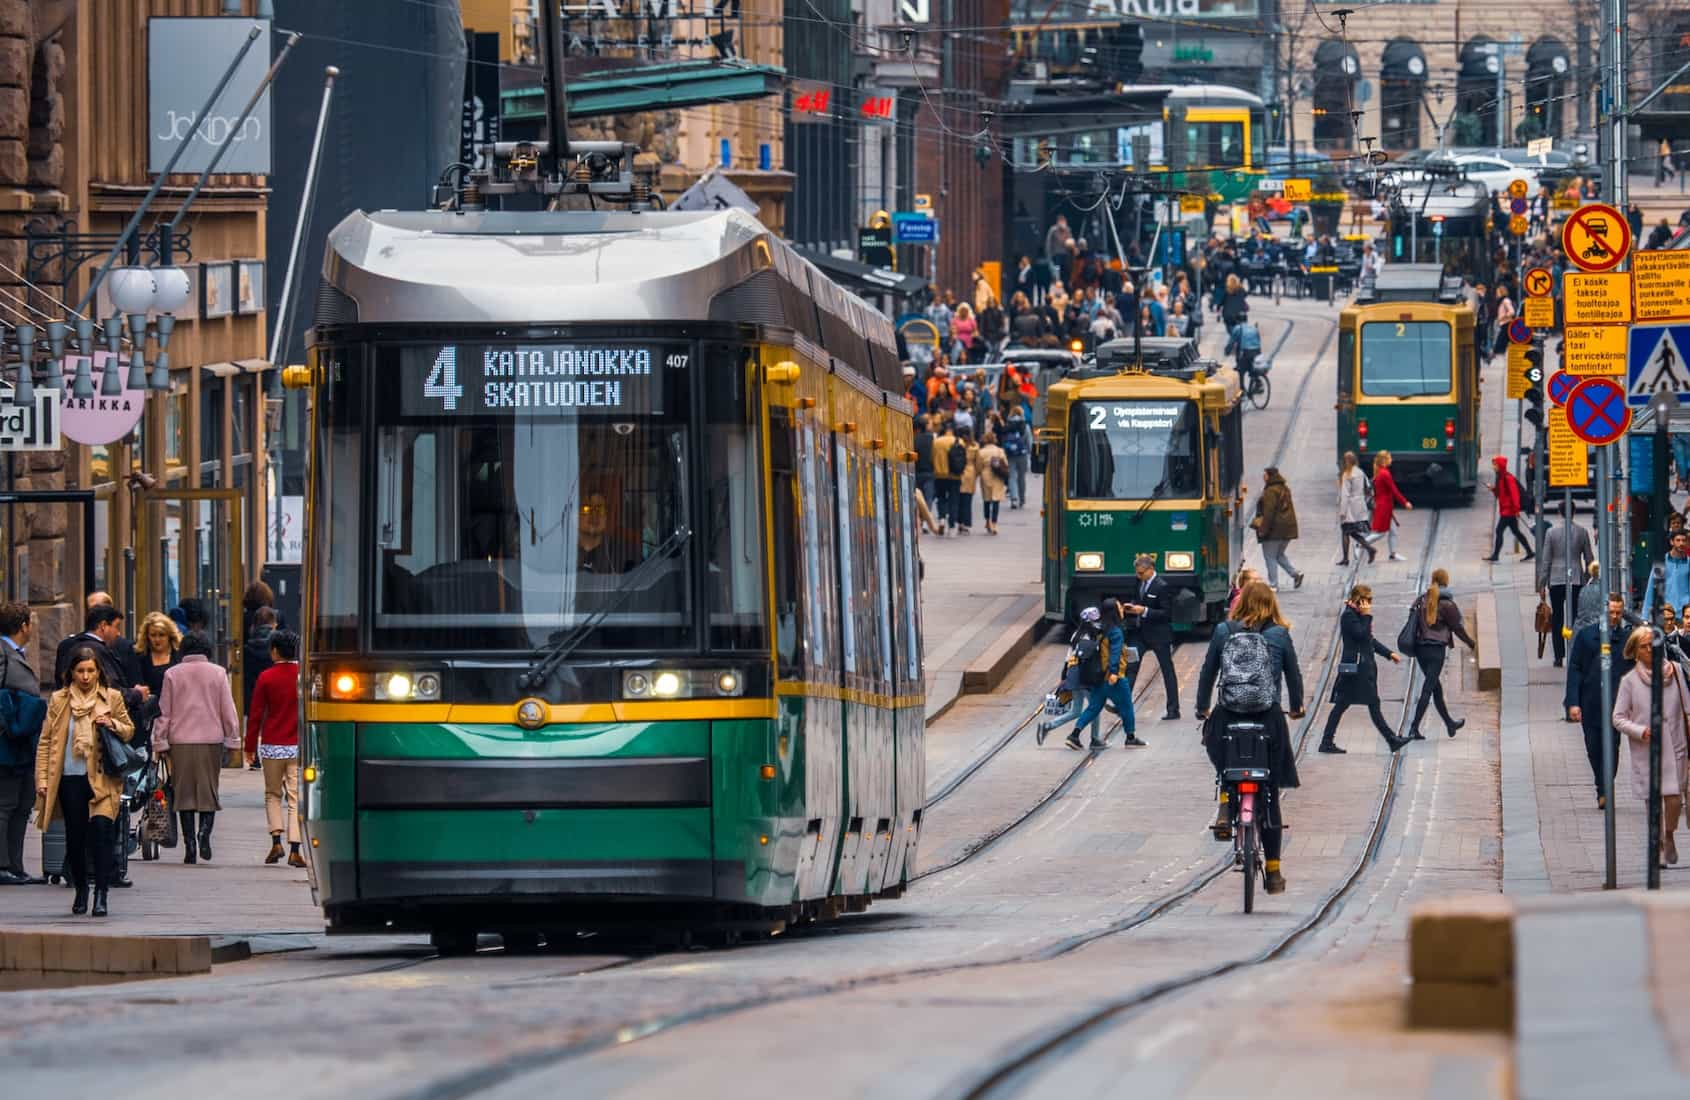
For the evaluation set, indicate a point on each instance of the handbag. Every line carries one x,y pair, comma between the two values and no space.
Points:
117,757
1542,621
1410,632
158,816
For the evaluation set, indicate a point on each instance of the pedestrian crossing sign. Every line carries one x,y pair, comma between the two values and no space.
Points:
1656,363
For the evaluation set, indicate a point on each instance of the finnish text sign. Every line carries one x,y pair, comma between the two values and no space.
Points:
1517,364
1661,285
1569,459
1598,299
1594,349
1538,312
185,59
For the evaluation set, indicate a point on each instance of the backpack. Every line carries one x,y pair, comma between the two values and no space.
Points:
1410,632
1247,678
1014,438
956,459
1085,652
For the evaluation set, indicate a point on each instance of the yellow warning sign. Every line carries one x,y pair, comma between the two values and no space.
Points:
1661,285
1191,204
1297,190
1518,383
1598,298
1538,312
1564,200
1594,349
1518,225
1517,189
1569,459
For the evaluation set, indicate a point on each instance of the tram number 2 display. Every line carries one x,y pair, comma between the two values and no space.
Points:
537,379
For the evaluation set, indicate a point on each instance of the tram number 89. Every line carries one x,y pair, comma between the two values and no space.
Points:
1430,443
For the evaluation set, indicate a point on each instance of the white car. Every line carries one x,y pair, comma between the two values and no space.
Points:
1496,173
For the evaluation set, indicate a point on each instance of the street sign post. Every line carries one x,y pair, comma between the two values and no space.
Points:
1538,312
1569,460
1594,349
908,228
1661,285
1518,366
1597,298
1655,364
1517,190
1597,412
1596,237
1561,385
1519,332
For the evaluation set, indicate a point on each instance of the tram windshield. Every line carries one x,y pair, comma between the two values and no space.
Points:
517,492
1406,358
1134,450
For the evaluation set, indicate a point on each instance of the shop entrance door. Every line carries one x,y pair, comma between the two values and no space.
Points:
191,545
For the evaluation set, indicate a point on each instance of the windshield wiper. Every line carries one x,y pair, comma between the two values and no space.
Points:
1155,495
563,645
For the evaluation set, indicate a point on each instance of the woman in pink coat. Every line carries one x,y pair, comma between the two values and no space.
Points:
196,724
1631,717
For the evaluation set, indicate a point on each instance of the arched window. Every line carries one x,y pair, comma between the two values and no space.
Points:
1402,93
1546,84
1336,68
1476,105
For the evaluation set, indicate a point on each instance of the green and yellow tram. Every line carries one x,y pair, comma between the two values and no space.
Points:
1408,383
612,593
1143,462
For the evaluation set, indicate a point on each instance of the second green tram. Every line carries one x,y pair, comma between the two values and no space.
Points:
1143,463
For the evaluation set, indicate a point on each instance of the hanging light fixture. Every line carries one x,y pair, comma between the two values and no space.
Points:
132,289
24,392
161,363
56,350
137,351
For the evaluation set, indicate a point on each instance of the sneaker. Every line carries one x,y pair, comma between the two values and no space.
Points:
1073,742
1491,560
1415,735
1096,744
1273,882
1040,733
1132,741
1397,557
1329,746
1529,556
1297,580
1372,555
1397,743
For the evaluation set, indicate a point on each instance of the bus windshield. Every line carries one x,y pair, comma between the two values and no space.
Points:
1406,358
1133,450
518,488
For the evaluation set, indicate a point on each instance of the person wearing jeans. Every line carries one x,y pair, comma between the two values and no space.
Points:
1017,449
1276,527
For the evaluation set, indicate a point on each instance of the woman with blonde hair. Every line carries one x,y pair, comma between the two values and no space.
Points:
1631,717
1256,612
1437,623
157,650
1386,497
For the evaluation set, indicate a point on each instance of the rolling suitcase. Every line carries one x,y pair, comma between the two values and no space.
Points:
53,852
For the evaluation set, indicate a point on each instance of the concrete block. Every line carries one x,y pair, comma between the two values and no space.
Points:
1489,655
52,951
23,950
193,955
17,62
101,950
75,953
987,671
1462,939
1462,1006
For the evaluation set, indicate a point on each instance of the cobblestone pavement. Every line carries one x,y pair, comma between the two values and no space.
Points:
915,997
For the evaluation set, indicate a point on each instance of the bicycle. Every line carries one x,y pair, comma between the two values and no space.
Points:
1258,388
1246,783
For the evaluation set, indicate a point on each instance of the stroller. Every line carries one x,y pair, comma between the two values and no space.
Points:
1082,670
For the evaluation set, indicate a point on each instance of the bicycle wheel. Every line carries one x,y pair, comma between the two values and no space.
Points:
1261,391
1247,843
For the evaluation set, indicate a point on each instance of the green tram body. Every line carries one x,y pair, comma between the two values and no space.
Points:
1112,439
638,782
1408,383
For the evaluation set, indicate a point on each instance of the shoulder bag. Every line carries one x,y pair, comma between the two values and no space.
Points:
1410,632
1543,621
118,758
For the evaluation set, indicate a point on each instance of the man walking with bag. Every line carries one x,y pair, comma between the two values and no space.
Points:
17,740
1276,527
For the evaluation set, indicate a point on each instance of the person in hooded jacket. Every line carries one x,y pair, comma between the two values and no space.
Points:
1358,672
1276,527
1506,489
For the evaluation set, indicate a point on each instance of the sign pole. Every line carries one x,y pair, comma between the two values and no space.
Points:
1610,857
1661,408
1540,463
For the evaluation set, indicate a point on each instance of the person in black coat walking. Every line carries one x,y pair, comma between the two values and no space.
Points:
1152,604
1583,698
1358,672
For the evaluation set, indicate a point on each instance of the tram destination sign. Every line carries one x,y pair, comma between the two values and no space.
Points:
545,380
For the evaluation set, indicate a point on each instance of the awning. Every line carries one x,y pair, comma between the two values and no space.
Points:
1477,63
669,86
1546,59
1402,60
239,366
1335,58
861,278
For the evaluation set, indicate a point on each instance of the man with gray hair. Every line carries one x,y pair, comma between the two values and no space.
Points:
1153,632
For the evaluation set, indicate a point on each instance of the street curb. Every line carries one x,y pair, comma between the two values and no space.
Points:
1525,872
53,960
987,671
1489,656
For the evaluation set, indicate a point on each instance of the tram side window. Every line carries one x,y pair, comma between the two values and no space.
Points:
909,595
883,605
1232,450
1214,145
1346,365
784,541
1405,358
846,551
339,475
732,519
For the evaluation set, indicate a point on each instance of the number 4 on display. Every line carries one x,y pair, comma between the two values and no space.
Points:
442,381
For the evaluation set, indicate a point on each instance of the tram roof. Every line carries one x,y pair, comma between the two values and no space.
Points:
565,267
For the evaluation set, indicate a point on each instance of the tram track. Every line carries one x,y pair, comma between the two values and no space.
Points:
1009,1074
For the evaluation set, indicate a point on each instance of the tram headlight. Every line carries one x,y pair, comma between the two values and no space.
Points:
695,683
666,685
393,685
1180,561
1089,561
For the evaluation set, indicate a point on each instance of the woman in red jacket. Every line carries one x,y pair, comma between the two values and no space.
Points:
1386,497
1506,490
272,738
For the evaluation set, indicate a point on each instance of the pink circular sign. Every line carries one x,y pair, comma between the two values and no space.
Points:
101,418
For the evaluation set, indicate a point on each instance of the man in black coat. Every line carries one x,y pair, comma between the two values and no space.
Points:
1358,673
102,633
1583,698
1152,605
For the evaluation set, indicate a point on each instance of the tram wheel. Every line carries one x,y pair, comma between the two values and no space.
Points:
453,941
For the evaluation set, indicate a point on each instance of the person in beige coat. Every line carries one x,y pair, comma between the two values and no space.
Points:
970,478
1631,717
69,780
994,479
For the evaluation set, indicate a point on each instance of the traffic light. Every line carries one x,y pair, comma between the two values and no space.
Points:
1121,54
1533,412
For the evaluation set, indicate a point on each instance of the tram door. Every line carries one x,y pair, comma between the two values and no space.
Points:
192,545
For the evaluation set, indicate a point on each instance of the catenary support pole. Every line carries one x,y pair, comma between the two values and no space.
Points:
284,311
169,167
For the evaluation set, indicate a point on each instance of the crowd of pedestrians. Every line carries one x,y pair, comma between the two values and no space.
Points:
114,717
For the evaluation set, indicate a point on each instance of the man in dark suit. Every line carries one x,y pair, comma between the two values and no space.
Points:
17,754
1155,633
1583,698
102,633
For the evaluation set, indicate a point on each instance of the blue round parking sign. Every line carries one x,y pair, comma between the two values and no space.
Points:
1518,332
1518,206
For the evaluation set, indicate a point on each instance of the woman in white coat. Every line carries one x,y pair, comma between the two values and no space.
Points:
1354,513
1631,717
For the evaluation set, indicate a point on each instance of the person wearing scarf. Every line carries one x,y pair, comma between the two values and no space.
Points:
70,781
1631,717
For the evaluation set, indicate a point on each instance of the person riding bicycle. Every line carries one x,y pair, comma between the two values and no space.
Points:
1250,656
1245,345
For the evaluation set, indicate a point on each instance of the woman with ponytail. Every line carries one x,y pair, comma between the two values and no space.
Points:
1436,622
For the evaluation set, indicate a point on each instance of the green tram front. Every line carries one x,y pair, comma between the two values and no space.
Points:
545,682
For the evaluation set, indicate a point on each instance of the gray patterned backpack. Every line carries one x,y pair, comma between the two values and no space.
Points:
1247,676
